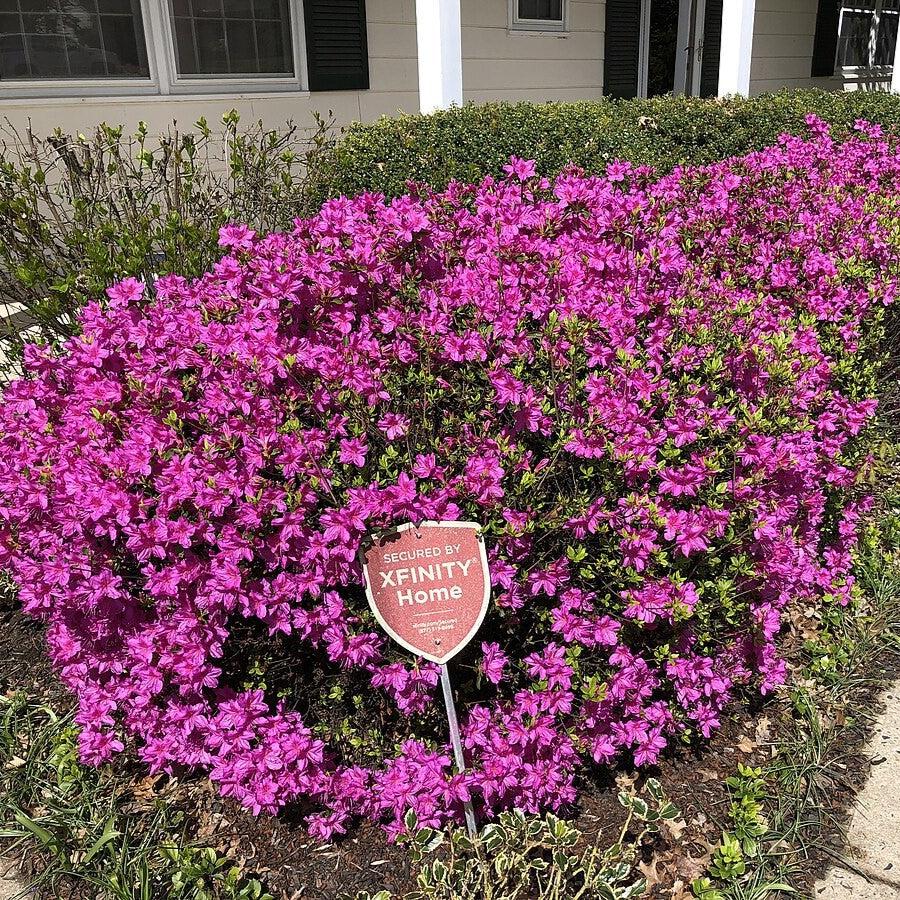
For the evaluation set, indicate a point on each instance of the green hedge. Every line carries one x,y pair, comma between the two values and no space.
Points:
469,142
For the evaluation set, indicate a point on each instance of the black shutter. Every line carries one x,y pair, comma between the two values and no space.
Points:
623,38
336,48
826,40
712,48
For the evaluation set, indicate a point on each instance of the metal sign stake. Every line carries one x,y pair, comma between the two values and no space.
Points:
457,743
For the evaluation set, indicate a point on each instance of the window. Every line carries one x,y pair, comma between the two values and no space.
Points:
232,37
82,47
868,34
72,39
538,15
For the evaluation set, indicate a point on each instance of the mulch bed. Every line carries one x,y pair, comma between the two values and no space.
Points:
278,850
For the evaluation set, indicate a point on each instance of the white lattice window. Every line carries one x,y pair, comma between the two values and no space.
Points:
868,34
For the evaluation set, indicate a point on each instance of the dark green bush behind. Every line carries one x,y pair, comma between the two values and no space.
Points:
469,142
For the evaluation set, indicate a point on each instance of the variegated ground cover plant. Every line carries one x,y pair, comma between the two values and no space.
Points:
651,391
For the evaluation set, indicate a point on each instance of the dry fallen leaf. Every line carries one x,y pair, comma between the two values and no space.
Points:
625,781
691,867
675,828
650,872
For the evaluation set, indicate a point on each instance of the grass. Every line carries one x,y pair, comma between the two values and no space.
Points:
99,832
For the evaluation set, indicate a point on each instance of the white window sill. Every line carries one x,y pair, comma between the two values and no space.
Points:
539,31
858,73
180,97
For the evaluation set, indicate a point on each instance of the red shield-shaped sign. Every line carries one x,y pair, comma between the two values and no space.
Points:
429,585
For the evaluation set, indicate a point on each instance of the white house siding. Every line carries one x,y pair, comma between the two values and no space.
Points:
498,64
783,35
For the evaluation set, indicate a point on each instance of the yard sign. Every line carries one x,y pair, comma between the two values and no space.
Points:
429,588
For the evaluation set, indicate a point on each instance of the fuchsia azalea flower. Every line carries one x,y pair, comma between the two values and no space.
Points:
522,169
393,425
627,379
128,290
236,237
353,451
494,662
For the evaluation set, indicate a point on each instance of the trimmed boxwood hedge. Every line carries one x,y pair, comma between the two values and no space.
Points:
469,142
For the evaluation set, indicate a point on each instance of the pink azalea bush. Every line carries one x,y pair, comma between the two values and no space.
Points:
651,392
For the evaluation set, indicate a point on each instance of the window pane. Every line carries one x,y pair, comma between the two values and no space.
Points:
184,46
267,9
123,7
212,52
13,58
241,45
232,37
46,54
542,10
207,9
856,32
9,23
886,40
72,39
272,40
118,31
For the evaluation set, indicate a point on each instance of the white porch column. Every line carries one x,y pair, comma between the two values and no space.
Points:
737,47
439,39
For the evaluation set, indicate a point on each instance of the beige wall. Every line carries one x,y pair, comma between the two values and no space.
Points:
518,65
497,64
783,36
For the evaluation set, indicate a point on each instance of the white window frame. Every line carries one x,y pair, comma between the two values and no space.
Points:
872,71
538,26
164,78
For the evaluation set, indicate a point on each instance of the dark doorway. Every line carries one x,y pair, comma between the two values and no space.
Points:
656,47
663,47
